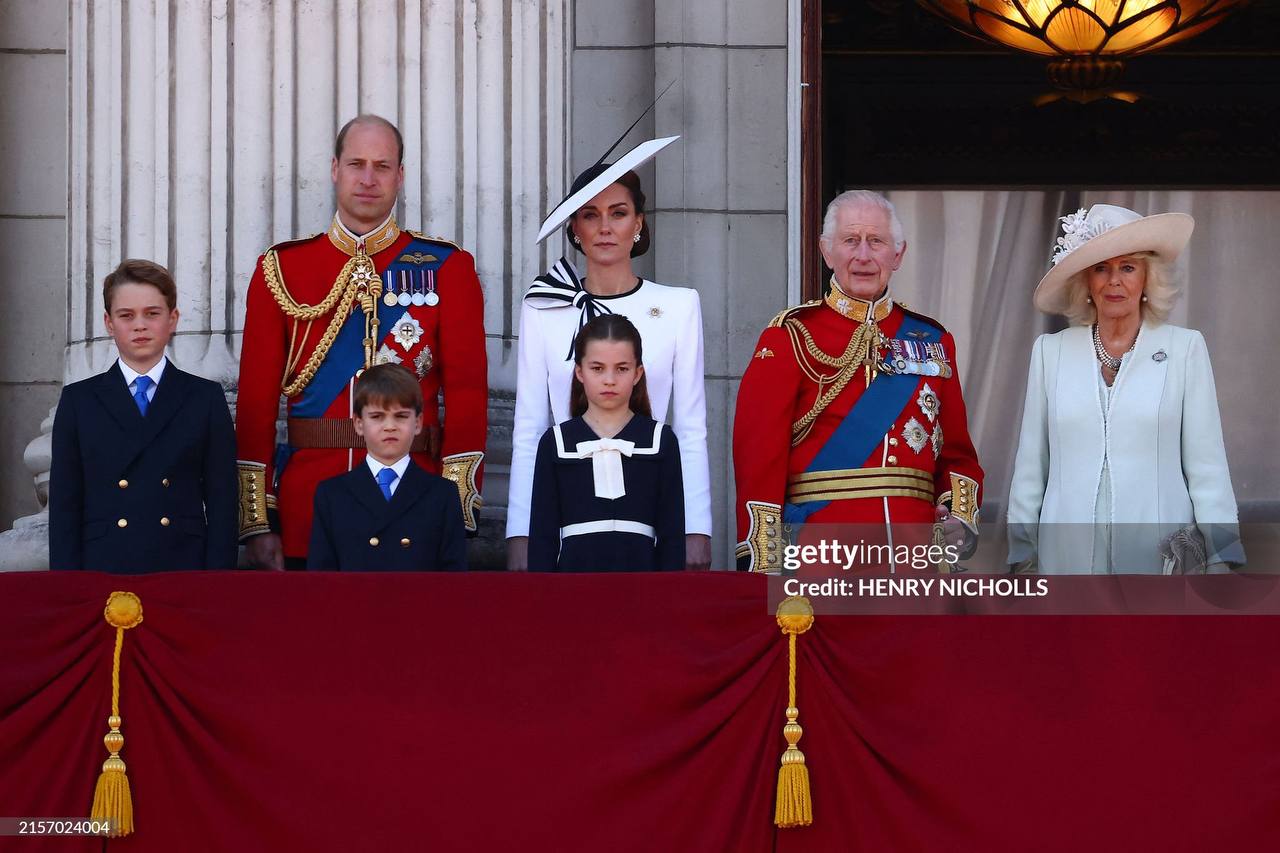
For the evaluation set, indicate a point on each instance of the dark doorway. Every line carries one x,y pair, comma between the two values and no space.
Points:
899,99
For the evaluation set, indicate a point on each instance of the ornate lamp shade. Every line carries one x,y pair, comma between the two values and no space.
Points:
1089,38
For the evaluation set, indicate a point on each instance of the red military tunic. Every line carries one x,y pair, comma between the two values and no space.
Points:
788,408
440,336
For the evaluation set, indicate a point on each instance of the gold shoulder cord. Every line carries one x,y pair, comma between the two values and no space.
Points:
830,386
342,294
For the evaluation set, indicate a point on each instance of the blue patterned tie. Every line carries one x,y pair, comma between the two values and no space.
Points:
386,477
141,384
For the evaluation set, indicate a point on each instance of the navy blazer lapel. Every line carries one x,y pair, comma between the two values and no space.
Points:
171,392
112,391
365,490
412,486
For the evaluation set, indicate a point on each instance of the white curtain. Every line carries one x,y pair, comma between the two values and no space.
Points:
974,257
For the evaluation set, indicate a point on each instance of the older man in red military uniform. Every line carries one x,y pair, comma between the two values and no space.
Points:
850,411
322,309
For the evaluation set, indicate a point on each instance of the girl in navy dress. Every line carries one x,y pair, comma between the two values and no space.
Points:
608,495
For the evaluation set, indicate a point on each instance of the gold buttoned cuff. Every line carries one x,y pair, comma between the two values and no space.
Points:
253,499
460,469
763,545
963,499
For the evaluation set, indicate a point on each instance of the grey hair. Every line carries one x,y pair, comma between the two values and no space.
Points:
1161,292
868,197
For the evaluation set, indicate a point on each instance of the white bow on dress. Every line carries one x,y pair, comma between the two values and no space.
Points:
606,464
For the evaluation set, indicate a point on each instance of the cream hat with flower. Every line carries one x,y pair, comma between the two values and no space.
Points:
1107,231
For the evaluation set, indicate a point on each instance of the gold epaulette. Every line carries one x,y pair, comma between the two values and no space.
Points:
914,313
781,316
297,241
418,235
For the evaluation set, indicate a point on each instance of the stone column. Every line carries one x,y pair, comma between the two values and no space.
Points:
201,132
33,192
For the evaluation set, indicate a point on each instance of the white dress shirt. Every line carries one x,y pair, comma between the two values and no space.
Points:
399,467
131,377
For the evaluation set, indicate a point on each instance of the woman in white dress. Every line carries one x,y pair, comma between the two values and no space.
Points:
1121,466
606,222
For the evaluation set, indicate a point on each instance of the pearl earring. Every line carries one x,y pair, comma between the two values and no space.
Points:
1144,297
1089,299
577,240
636,239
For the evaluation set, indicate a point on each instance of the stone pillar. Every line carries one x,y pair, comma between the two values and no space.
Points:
201,132
33,192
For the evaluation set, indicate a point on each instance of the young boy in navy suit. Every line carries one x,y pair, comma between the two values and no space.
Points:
144,455
387,515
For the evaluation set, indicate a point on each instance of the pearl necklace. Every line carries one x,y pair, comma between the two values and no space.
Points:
1106,358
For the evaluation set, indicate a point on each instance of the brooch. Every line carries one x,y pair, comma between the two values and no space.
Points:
1158,356
929,403
915,435
765,352
407,331
423,362
655,311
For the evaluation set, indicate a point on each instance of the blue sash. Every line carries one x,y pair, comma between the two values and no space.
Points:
867,422
346,356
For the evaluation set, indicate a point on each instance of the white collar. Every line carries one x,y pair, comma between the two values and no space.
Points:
398,466
131,375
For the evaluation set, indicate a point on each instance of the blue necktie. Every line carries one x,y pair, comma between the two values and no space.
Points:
386,477
142,383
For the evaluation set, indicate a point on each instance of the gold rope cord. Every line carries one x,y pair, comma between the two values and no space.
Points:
112,798
794,805
342,294
830,387
291,308
354,283
321,351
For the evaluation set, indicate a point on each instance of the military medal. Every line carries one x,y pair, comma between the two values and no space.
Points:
430,297
389,298
405,284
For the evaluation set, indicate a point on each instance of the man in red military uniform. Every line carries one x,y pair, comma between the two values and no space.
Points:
850,411
322,309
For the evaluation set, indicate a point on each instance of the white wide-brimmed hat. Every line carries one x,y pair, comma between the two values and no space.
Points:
1107,231
633,159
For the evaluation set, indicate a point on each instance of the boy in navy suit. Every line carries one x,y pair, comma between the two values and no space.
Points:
144,455
387,515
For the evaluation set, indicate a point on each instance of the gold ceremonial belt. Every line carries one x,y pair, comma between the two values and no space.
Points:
851,483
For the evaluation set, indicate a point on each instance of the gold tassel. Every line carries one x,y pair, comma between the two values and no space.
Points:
112,800
795,804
